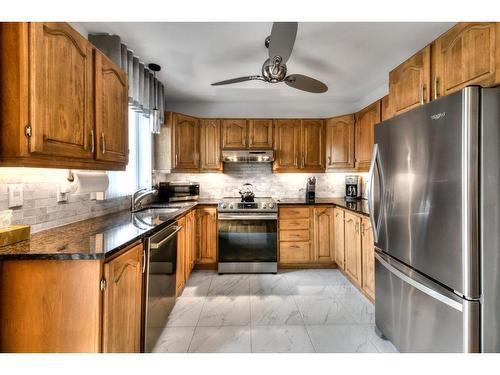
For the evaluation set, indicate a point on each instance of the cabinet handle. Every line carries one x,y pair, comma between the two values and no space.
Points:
357,228
348,220
103,143
294,247
143,260
329,160
92,146
176,160
422,94
303,161
436,85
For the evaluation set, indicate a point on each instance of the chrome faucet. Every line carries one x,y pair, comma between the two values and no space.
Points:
139,196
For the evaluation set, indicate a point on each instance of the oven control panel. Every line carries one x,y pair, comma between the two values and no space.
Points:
238,206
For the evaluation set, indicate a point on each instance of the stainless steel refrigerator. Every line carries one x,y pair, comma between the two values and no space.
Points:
435,209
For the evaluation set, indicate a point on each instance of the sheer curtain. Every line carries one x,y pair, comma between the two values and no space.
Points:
138,172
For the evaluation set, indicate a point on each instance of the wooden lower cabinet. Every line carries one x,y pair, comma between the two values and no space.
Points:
306,235
338,225
352,247
60,306
355,250
323,234
181,256
206,235
121,318
368,257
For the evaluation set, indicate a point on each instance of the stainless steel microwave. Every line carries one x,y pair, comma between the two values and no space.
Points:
178,191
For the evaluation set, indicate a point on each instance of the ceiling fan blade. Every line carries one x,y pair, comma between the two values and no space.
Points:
305,83
282,40
239,79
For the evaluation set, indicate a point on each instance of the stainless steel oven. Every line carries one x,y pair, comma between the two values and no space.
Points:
247,241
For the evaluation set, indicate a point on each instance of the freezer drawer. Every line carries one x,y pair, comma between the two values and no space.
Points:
418,315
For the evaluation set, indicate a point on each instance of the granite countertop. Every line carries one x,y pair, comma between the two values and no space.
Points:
96,238
103,236
360,206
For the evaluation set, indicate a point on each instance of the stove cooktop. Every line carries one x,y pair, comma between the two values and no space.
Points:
260,204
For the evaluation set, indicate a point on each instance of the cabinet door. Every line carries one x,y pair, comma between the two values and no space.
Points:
111,105
368,256
352,245
323,234
61,91
340,142
180,275
313,145
210,145
385,108
467,54
260,134
365,123
338,232
410,82
186,143
234,134
206,222
287,146
122,302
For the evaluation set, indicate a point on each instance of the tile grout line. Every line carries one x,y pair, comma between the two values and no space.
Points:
301,315
199,317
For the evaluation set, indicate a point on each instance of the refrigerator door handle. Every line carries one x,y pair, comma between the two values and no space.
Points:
374,218
427,289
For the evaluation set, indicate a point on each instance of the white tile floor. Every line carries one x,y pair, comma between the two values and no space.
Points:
293,311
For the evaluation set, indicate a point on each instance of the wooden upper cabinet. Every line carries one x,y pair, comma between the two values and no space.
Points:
122,302
467,54
260,134
287,145
61,108
338,232
234,133
368,257
385,108
313,145
340,142
206,223
365,123
111,111
410,82
210,145
185,156
323,234
352,246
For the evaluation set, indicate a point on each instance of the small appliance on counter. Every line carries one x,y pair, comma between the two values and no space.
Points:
352,188
311,189
178,191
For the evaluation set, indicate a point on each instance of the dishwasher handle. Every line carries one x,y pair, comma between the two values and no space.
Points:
157,245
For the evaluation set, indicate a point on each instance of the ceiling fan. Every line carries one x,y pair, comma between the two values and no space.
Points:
280,45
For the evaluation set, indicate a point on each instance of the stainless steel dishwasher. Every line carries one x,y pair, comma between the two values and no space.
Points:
160,269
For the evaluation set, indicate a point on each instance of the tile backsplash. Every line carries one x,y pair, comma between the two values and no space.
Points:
40,208
265,182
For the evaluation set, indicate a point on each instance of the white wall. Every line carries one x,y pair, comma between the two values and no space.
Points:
289,109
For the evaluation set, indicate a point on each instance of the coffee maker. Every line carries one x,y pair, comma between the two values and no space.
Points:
311,189
352,188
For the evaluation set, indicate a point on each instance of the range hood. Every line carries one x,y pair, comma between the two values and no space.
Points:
248,156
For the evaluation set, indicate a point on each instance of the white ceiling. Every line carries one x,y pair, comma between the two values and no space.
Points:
353,59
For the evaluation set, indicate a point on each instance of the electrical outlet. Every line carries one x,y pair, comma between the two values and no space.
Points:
15,195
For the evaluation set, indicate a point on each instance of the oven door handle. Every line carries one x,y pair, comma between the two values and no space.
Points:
248,217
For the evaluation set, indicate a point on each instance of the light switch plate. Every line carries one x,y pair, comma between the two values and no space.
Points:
15,195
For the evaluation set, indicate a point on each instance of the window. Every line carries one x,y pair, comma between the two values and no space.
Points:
138,172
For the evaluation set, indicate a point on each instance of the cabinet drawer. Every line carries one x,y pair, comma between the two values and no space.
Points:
294,212
297,252
294,224
295,235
